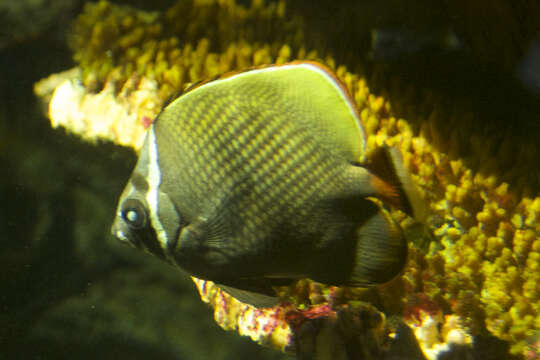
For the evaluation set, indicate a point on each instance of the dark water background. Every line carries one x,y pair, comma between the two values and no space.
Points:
67,289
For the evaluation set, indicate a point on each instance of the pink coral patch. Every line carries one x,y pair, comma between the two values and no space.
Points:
146,121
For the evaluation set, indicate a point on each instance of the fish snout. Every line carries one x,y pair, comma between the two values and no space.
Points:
120,231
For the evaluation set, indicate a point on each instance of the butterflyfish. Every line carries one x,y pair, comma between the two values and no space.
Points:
259,178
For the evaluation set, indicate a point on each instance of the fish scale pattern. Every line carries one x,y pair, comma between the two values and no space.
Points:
238,148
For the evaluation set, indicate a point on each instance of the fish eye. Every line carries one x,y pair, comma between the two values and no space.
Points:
134,214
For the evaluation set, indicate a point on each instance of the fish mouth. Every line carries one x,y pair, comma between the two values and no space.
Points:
120,236
120,231
144,239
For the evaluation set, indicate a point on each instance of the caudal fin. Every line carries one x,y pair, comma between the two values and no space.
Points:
381,251
392,182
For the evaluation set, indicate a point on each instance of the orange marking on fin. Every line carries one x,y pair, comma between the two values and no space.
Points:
392,180
386,191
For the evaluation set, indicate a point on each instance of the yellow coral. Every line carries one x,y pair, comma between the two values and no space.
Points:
491,262
113,42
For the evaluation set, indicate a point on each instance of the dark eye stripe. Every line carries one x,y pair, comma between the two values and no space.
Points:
150,242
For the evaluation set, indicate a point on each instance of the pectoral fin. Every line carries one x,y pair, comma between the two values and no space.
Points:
212,229
207,250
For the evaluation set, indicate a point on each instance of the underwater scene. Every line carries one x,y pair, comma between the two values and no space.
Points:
293,179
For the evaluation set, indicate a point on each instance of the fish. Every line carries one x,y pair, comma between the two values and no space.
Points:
528,68
259,178
402,44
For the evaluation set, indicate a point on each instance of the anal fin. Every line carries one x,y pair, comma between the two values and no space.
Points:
255,299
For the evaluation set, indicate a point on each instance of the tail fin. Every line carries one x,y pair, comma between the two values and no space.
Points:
392,182
381,251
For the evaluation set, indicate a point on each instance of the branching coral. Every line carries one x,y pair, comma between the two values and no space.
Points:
487,269
138,60
114,43
474,266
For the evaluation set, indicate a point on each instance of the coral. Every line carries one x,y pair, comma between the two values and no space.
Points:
265,326
487,269
289,327
175,53
473,266
532,351
437,333
122,115
114,42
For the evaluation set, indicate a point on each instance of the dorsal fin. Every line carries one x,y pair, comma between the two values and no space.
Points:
332,116
392,181
308,92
